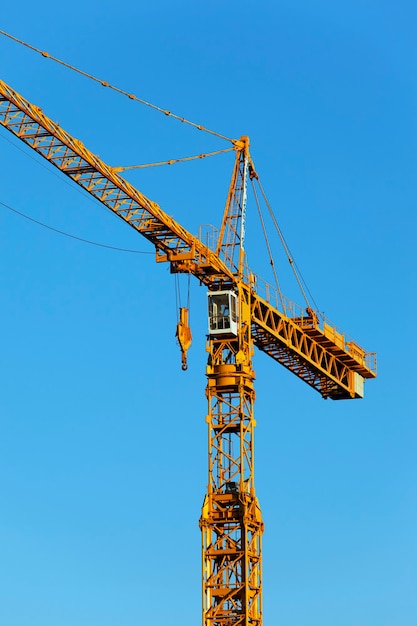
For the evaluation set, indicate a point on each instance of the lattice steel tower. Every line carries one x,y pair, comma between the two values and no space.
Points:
231,521
239,319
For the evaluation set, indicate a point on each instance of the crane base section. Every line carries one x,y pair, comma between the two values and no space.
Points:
231,521
232,528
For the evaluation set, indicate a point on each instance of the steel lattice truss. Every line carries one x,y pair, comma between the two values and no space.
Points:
231,520
306,351
318,354
70,156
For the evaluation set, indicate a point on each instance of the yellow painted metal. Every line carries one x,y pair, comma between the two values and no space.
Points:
231,520
230,245
307,351
317,356
172,242
183,335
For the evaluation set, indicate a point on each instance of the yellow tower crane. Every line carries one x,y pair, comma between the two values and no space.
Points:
240,318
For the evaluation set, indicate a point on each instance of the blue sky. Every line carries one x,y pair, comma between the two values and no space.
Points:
103,437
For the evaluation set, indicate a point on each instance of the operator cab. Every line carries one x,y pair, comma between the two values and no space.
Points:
222,313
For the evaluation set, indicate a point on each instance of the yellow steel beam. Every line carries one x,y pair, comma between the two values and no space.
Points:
315,356
231,521
172,241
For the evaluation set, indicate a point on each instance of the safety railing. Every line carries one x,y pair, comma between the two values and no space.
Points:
308,319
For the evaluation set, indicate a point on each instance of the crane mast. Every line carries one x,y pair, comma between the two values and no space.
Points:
240,318
231,521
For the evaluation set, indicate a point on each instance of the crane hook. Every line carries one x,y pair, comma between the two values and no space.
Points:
184,337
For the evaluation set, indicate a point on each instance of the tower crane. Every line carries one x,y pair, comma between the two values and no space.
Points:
240,318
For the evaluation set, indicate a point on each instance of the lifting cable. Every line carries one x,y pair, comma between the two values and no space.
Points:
178,297
183,330
131,96
104,83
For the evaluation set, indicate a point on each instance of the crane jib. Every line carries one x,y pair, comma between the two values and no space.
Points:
70,156
314,355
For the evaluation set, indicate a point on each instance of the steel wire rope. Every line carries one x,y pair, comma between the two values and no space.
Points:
62,232
117,168
104,83
76,188
297,273
271,259
124,168
54,172
177,297
59,175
